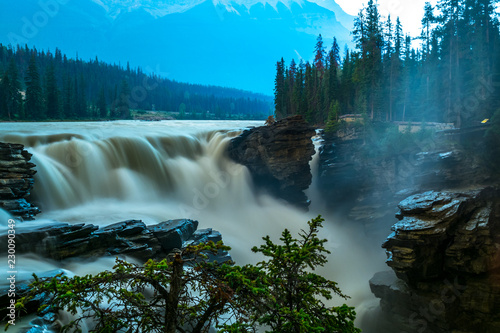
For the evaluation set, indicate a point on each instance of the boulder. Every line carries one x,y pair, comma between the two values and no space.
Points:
62,240
277,157
132,238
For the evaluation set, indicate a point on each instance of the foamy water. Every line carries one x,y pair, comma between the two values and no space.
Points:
106,172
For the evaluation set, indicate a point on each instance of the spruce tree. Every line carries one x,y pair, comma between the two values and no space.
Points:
52,94
33,107
12,92
102,107
279,91
123,108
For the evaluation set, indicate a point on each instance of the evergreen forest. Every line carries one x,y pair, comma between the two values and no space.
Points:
449,73
41,85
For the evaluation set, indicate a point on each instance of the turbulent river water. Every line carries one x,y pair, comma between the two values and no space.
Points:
106,172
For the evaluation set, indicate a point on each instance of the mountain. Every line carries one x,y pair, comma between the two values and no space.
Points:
219,42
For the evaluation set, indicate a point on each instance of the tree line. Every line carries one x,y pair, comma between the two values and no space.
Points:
41,85
452,76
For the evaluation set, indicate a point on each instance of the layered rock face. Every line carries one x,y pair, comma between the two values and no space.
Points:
278,157
16,181
445,254
368,188
133,238
62,240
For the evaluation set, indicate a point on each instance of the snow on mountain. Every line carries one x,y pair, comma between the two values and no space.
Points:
160,8
157,8
345,19
233,43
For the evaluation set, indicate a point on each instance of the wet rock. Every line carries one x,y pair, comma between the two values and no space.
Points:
172,234
62,240
133,238
444,252
278,157
366,187
16,181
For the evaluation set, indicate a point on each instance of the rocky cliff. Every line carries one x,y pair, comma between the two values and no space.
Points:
278,157
445,256
16,181
366,186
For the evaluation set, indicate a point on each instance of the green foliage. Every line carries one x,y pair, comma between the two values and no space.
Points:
73,89
448,79
187,293
287,294
160,296
332,124
34,101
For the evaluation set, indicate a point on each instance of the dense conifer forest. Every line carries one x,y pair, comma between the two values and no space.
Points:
450,73
41,85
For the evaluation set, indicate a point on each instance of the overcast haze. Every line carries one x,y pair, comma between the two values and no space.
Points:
410,12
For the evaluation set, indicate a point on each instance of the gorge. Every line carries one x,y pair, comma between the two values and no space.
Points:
141,174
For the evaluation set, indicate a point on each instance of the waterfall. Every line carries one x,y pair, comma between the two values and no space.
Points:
103,173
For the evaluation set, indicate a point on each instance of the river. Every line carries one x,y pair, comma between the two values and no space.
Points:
106,172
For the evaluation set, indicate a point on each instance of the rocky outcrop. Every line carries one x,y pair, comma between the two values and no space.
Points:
445,254
278,157
367,186
16,181
134,238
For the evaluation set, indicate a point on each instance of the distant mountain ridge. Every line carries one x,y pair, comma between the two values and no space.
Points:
232,43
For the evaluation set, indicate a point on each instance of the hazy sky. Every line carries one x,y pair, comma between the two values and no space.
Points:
410,12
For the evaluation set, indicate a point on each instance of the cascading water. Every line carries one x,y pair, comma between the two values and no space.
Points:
103,173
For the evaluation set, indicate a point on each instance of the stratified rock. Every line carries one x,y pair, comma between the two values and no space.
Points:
62,240
445,253
366,187
173,233
278,157
16,181
444,232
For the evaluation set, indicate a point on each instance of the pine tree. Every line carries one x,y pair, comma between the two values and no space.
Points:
298,95
123,108
3,95
279,91
427,22
333,70
12,92
68,104
102,107
290,85
319,56
34,105
114,105
448,30
373,55
53,105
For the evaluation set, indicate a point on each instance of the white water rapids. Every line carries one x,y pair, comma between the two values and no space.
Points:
106,172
